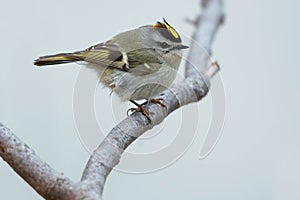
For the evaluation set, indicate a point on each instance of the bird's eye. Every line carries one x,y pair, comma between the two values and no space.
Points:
164,45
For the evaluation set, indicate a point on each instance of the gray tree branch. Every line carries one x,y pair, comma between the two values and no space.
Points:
36,172
54,185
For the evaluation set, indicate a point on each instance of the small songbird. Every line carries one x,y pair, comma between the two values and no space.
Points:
136,64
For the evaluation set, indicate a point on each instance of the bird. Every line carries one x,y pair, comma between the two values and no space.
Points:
137,64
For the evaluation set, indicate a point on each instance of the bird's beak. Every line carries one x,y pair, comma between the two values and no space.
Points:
182,46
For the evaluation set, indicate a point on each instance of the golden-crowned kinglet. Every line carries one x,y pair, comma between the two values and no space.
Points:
135,64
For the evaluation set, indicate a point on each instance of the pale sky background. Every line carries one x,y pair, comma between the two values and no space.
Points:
257,156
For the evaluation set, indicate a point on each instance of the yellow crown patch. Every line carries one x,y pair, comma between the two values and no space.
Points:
167,26
171,29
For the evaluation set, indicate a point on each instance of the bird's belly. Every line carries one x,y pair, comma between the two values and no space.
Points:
130,87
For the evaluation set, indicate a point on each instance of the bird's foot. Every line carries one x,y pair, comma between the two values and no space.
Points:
141,107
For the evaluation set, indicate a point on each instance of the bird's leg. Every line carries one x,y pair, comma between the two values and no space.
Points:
140,108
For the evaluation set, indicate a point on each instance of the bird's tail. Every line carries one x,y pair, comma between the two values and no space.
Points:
61,58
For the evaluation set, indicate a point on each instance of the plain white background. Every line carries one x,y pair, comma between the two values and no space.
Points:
258,154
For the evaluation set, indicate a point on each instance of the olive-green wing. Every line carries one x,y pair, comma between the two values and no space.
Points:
143,61
138,61
105,55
